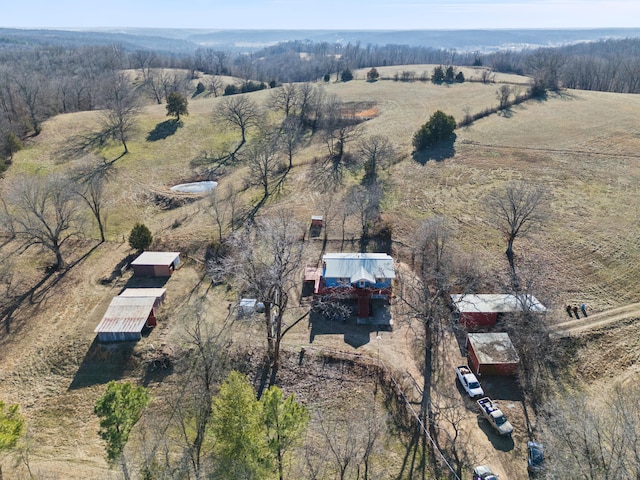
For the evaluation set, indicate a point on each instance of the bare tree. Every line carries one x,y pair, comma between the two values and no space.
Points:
352,443
376,152
291,134
364,201
90,187
238,111
219,208
46,213
423,298
516,210
264,161
594,438
546,65
215,86
122,107
503,94
264,264
286,99
206,369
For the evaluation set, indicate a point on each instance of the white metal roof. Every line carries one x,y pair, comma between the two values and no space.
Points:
143,292
126,314
492,348
496,303
365,266
156,258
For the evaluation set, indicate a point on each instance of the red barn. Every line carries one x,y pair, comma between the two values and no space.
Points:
492,354
482,309
156,264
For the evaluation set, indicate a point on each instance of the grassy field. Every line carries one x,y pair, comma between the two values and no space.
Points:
582,146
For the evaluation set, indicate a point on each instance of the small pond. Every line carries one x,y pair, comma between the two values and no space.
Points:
195,187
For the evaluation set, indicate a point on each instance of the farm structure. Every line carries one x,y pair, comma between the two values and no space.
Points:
156,264
492,354
126,318
363,276
160,294
317,222
480,310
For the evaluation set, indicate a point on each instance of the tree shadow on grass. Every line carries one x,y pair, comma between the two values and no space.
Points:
163,130
438,152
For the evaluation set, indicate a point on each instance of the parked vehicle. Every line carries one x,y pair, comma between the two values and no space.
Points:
469,381
494,415
535,452
482,472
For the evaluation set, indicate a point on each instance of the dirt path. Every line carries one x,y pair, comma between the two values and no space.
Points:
597,320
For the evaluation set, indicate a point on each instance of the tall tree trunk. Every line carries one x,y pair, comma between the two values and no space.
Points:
509,253
59,259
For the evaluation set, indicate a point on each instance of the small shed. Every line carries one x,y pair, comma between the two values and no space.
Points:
125,319
156,264
317,221
482,309
160,294
492,354
249,306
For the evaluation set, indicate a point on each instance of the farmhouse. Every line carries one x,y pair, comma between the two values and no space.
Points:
483,309
156,264
126,317
356,275
492,354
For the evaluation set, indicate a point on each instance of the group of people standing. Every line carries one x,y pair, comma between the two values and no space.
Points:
574,309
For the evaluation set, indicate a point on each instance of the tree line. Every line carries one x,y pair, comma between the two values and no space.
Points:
46,80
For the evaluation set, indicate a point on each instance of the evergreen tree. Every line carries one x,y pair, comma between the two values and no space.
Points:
346,75
449,74
140,237
238,429
438,75
119,409
177,105
285,420
439,127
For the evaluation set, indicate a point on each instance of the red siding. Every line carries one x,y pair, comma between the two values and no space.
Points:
473,360
474,319
490,368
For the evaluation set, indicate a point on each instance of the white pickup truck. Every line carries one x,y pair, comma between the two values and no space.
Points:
495,416
469,381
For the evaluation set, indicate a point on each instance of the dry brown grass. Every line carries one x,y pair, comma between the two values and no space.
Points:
583,146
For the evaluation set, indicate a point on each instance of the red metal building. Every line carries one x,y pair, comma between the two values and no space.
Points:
476,310
492,354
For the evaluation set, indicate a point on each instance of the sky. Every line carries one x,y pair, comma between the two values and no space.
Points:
321,14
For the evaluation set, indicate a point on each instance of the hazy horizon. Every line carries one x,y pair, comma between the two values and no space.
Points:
328,15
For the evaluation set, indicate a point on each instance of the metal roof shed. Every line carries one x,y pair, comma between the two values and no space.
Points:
483,308
125,319
156,264
492,354
160,294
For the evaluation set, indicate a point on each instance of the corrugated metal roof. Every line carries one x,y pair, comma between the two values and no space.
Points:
156,258
493,348
496,303
348,265
126,314
144,292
